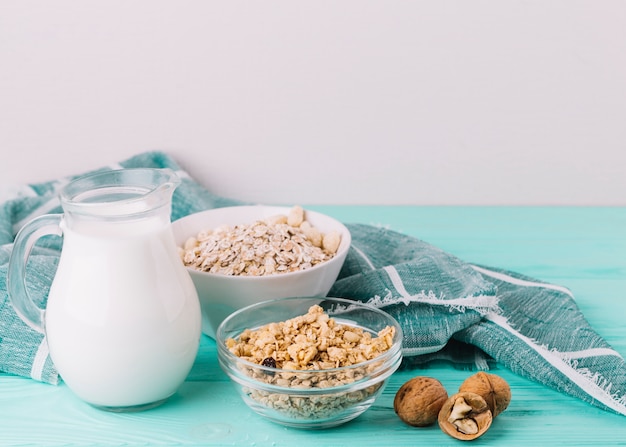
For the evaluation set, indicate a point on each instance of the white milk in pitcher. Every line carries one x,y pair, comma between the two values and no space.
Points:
123,317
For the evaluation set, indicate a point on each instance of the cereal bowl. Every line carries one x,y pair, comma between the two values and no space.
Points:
309,362
221,294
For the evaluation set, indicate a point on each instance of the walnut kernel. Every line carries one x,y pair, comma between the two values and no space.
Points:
465,416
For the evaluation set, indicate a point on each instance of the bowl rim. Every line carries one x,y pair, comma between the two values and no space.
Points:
393,356
342,251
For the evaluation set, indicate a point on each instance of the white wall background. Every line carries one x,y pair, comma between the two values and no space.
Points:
342,101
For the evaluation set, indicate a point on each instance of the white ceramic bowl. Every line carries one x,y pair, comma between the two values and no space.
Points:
220,295
347,392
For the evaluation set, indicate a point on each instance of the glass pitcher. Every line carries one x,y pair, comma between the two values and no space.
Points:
122,320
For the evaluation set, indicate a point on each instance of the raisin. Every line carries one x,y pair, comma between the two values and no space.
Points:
270,362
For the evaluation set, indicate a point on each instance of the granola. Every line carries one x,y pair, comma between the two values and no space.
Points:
300,350
313,341
280,244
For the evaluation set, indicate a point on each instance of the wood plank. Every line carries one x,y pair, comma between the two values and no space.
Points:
581,248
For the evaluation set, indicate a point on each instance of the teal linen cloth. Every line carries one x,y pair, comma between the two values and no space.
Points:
448,308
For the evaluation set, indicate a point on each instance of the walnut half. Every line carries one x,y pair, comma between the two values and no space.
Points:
465,416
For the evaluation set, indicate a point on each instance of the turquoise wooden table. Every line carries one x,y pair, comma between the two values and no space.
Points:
583,249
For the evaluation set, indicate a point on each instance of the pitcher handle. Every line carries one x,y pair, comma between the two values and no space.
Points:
16,273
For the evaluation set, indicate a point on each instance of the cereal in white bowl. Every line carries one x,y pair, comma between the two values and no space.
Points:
221,294
279,244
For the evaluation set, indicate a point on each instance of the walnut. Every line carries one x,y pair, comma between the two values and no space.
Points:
419,400
465,416
492,388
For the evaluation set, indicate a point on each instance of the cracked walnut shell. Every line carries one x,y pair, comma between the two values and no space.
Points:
419,400
465,416
492,388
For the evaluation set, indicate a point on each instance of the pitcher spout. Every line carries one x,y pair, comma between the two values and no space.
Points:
120,193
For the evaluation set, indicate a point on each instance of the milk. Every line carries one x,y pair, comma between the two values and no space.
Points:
123,318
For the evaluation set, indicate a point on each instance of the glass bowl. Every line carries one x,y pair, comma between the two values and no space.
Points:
312,399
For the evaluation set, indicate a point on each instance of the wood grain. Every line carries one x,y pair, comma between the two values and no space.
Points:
581,248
